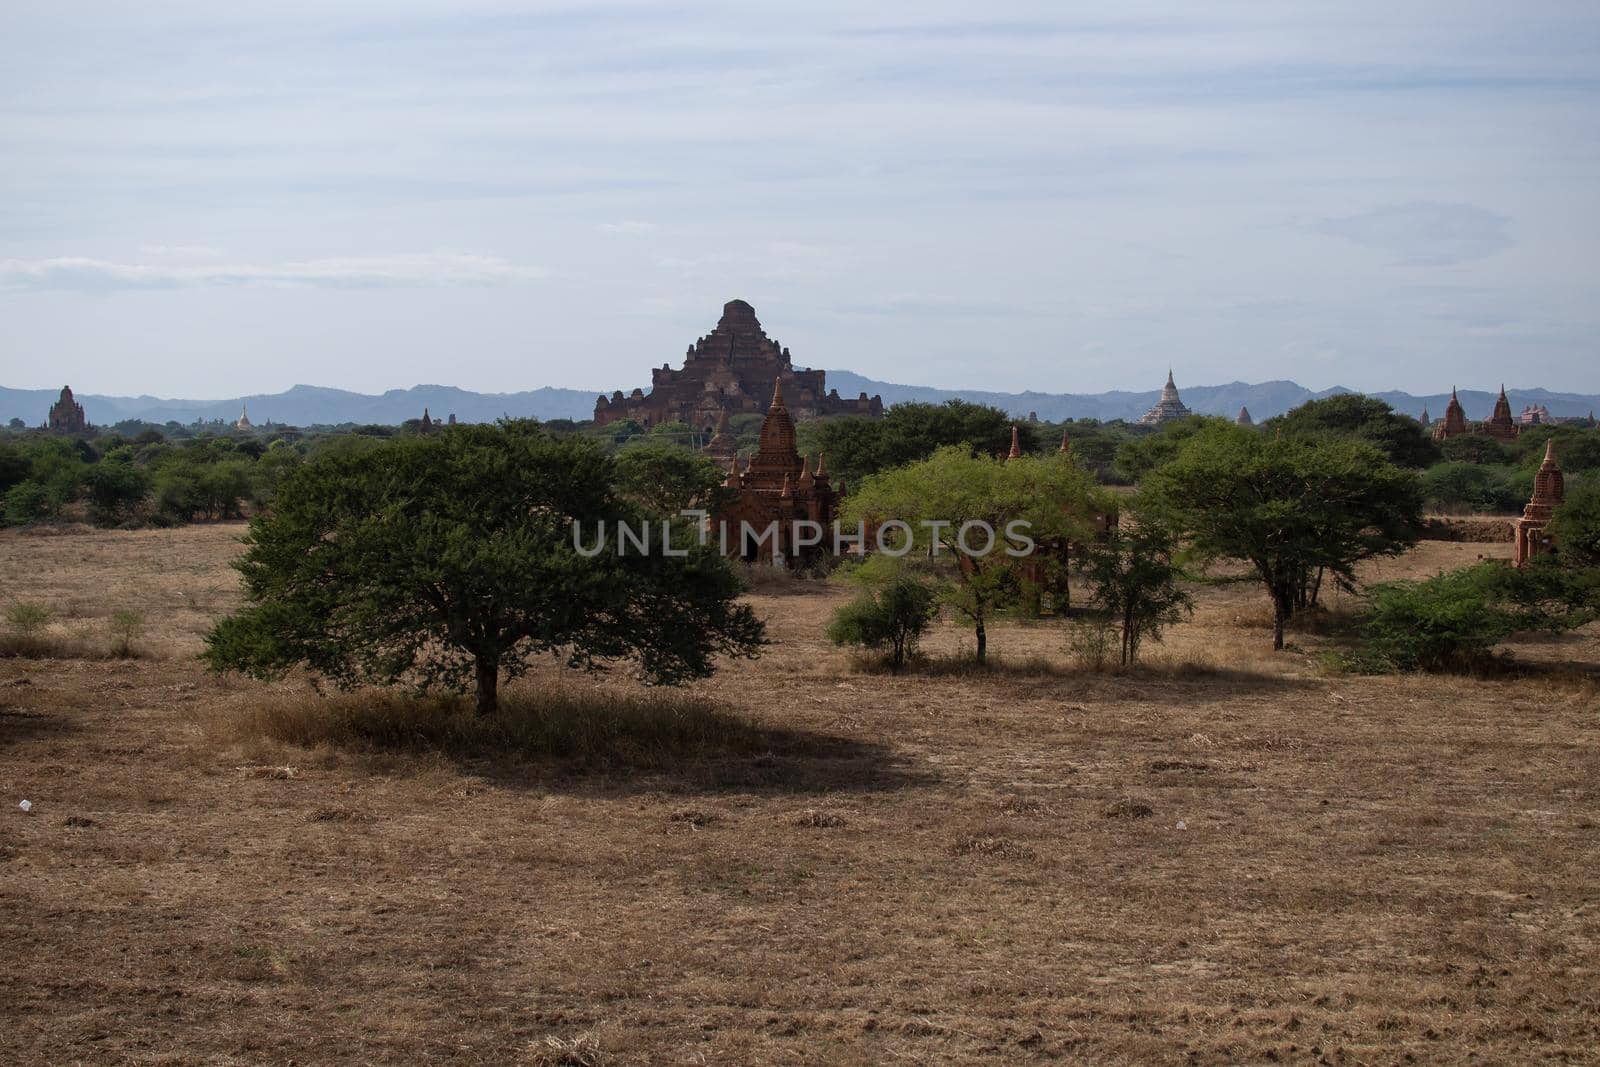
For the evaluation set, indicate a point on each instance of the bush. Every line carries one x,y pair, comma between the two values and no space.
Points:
126,628
27,637
1452,621
1093,643
27,619
1575,529
890,620
1448,622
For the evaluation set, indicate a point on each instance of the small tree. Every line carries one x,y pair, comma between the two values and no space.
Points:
954,501
892,618
126,628
1135,581
1294,509
449,559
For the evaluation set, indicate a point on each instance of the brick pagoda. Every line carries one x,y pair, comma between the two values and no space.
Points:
1549,491
777,485
66,414
728,371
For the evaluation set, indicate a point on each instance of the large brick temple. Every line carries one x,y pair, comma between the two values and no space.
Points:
730,371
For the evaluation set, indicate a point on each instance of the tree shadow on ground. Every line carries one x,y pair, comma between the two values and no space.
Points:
579,740
19,724
1041,676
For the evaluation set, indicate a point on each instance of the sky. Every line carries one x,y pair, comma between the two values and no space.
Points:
208,200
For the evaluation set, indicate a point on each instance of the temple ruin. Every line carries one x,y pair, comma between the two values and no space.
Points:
1549,491
727,372
66,414
1499,425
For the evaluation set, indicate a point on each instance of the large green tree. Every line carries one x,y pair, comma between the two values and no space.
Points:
857,446
1400,437
1295,509
668,478
450,560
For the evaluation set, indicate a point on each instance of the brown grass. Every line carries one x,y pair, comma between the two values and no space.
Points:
802,863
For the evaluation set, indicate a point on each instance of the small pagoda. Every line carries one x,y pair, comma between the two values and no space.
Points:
1549,491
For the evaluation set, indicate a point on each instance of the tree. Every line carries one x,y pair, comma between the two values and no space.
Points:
1474,448
1294,509
1140,455
1471,486
1575,527
666,478
1401,437
450,559
960,503
857,446
1135,581
117,488
891,618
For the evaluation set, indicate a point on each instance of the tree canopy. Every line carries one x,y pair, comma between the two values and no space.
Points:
951,498
1294,508
1401,438
449,559
858,446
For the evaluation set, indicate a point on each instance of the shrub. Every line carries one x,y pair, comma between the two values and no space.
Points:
1093,643
126,628
889,620
27,622
1452,621
1575,529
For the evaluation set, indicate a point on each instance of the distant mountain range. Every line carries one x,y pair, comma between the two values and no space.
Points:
310,405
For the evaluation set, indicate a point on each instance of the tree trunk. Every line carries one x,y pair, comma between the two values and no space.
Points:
488,683
1280,611
983,643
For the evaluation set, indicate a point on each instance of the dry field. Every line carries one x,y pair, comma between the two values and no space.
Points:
1230,856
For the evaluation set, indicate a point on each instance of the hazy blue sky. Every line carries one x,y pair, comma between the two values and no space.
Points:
210,199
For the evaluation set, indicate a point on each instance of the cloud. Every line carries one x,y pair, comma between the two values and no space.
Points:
424,270
628,226
1428,233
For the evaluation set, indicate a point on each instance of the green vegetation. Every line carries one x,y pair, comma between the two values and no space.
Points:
448,560
126,627
1399,437
1135,583
890,620
1296,509
954,501
1452,621
1575,527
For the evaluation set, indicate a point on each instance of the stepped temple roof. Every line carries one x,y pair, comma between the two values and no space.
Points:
1168,408
728,372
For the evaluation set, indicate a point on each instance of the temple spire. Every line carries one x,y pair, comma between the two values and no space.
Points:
1016,446
1066,445
777,397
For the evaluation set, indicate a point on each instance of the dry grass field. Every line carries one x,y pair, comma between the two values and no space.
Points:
1228,856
